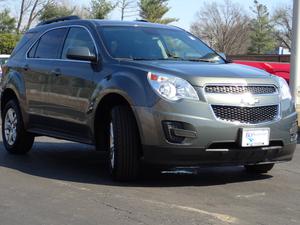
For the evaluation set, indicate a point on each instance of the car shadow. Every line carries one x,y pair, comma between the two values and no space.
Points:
74,162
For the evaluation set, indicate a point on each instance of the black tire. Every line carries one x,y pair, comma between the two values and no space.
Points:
125,163
264,168
23,141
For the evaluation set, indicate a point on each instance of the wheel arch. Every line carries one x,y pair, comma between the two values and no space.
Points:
6,96
102,116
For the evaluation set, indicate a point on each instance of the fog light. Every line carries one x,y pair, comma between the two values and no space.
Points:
294,128
169,128
294,132
177,132
294,137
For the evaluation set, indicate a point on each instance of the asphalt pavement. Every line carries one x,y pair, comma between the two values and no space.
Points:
64,183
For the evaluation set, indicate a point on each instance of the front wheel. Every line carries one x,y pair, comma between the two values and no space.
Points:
264,168
15,138
124,144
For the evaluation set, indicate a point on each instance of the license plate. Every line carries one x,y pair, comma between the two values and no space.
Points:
253,137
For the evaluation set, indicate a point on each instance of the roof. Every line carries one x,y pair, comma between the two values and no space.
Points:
131,23
96,23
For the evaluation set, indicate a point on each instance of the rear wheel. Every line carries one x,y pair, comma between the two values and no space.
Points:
264,168
124,144
15,138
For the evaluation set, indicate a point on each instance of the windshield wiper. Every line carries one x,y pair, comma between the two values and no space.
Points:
169,58
200,60
151,59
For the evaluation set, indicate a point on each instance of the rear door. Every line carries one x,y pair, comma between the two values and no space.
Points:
38,73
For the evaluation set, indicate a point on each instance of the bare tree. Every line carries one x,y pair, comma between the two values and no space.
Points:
127,7
225,27
23,9
36,9
282,21
29,10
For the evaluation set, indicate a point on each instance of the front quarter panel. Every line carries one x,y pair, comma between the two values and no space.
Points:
131,84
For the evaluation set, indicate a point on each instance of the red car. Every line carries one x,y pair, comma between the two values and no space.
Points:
276,68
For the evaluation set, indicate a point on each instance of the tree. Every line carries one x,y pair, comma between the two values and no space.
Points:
101,8
8,42
225,27
54,10
282,21
127,8
29,9
155,10
7,23
262,39
82,12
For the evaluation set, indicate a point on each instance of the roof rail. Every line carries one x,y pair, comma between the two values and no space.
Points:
59,20
146,21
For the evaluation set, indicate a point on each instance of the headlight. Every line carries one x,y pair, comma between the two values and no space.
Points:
172,88
285,92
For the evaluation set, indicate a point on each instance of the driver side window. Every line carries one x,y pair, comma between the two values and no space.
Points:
78,37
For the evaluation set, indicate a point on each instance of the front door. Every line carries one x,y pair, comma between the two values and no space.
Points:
72,86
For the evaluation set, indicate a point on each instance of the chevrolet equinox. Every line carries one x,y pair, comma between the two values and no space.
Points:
145,93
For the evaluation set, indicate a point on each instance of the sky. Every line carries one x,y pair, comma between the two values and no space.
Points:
185,10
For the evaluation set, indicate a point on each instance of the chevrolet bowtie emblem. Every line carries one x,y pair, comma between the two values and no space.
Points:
249,101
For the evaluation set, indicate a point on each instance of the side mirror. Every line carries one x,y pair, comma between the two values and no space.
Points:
81,53
222,54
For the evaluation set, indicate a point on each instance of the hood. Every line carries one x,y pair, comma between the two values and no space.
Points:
201,73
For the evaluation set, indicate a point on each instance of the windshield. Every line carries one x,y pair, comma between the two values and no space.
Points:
144,43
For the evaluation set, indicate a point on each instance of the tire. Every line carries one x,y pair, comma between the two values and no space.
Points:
124,157
15,138
264,168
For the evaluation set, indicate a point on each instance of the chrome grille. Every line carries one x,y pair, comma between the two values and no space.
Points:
228,89
251,115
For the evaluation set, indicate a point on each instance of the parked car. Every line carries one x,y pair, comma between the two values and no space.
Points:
3,60
145,93
276,68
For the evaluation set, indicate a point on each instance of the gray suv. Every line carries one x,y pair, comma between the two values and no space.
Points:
144,93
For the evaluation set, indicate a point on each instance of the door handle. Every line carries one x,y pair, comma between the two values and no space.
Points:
26,67
56,72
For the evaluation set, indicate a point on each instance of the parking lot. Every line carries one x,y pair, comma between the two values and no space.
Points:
62,183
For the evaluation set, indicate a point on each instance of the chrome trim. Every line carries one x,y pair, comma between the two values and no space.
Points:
63,60
272,148
217,150
227,150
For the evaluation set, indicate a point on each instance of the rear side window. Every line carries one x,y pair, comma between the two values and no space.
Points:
32,51
49,45
23,42
78,37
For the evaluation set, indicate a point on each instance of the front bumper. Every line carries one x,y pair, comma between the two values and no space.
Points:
210,132
200,157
